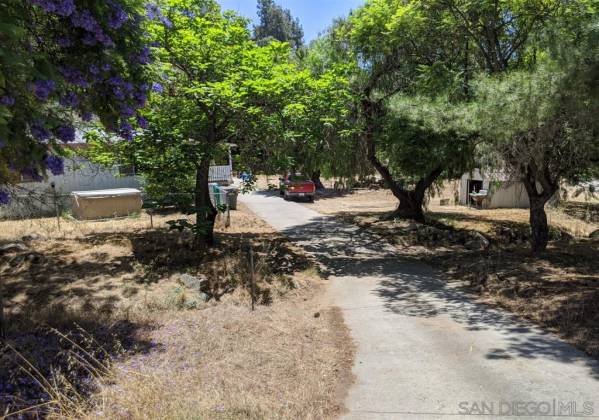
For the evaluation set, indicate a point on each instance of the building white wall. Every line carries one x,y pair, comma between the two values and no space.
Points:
34,199
510,194
503,193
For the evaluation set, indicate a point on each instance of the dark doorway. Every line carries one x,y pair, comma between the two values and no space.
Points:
473,187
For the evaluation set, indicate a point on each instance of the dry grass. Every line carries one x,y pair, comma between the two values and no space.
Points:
113,288
558,290
225,362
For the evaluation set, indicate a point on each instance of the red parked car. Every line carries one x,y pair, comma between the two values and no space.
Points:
297,185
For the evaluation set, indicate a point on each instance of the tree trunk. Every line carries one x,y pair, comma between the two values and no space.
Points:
316,180
538,224
410,201
205,211
410,206
540,189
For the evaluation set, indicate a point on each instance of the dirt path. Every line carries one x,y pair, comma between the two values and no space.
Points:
425,350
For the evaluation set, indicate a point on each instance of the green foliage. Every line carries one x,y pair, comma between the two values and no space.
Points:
421,135
545,118
277,23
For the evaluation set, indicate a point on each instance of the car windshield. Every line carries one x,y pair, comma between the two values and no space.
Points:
298,178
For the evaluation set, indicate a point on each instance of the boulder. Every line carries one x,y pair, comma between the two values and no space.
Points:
412,227
429,233
13,247
31,237
194,283
34,258
477,242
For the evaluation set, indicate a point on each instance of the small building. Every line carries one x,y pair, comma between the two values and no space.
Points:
500,189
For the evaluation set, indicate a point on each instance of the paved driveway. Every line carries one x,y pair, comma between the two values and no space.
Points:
424,349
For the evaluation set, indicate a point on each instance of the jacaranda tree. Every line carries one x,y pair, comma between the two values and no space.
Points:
62,63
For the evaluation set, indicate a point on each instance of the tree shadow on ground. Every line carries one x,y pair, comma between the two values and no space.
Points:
80,289
411,289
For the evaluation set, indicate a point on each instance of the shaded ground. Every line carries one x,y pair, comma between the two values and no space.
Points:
424,344
90,304
558,290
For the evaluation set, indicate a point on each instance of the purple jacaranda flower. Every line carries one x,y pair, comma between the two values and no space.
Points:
4,199
157,87
104,39
94,69
118,17
84,19
126,131
155,44
69,100
106,67
55,164
32,174
65,133
87,116
188,13
39,132
142,122
59,7
89,39
144,56
166,21
140,99
7,100
152,11
64,42
43,88
118,93
74,76
65,7
116,81
127,111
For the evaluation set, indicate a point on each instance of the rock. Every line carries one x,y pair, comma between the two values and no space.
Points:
34,258
477,242
429,233
192,282
594,235
31,237
412,227
317,315
13,247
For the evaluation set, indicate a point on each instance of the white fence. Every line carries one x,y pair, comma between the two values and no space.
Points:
34,199
221,174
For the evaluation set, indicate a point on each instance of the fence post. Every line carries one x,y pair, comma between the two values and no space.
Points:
2,319
252,278
56,210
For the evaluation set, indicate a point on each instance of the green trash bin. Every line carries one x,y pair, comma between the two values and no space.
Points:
217,195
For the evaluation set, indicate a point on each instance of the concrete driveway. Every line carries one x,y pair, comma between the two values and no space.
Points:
424,349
